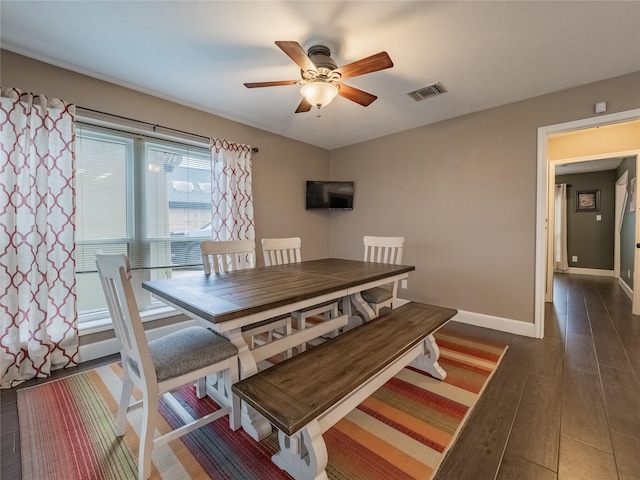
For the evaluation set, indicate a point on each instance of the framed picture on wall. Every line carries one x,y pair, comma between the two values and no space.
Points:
588,201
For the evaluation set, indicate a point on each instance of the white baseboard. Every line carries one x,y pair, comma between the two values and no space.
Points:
626,288
489,321
591,271
495,323
401,301
105,348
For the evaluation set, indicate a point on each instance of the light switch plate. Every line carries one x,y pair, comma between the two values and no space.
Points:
598,218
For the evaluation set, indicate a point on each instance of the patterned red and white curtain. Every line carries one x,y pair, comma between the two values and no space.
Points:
231,191
38,315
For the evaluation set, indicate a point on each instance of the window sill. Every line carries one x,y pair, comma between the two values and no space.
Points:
104,324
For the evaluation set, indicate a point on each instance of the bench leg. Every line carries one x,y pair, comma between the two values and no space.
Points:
428,362
304,455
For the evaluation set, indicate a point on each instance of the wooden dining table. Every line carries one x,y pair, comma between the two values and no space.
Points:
227,302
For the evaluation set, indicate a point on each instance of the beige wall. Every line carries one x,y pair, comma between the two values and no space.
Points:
462,191
619,137
279,211
463,194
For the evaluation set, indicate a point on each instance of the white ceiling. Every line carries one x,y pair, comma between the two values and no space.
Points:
588,166
199,53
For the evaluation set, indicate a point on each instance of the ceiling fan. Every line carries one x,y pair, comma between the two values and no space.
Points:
322,79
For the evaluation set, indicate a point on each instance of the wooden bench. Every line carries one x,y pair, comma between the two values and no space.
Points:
306,395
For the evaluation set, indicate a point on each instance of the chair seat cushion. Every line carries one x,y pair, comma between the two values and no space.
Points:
190,349
377,294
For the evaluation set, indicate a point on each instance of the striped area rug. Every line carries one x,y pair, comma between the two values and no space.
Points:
402,431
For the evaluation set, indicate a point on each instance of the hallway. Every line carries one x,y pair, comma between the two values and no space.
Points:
566,407
591,317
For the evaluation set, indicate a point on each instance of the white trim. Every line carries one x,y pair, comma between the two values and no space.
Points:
541,201
626,288
400,302
104,348
620,200
495,323
591,271
635,299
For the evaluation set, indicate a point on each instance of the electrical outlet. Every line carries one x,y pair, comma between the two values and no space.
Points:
403,284
574,258
628,273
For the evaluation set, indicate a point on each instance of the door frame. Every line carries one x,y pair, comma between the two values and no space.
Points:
543,274
620,201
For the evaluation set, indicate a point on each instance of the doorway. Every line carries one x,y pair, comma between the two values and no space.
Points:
544,214
610,219
621,201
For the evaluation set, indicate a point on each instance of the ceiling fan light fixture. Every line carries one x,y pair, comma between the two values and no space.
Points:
319,92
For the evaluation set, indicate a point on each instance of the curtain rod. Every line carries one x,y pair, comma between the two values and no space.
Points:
152,125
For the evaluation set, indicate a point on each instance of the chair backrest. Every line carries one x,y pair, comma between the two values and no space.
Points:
115,275
228,255
383,249
278,251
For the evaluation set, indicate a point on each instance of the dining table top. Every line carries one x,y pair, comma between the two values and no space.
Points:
223,297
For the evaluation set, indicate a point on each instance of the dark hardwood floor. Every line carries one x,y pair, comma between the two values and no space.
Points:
565,407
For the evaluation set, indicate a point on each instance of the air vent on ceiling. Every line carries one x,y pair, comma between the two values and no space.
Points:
426,92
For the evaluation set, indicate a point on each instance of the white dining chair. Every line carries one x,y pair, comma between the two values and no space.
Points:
281,251
162,365
233,255
382,250
226,256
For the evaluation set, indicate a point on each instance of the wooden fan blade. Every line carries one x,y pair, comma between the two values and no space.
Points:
271,84
304,106
297,54
376,62
355,95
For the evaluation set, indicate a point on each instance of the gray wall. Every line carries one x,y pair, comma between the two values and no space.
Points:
590,240
628,232
463,193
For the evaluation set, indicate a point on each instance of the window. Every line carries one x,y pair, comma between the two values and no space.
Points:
141,196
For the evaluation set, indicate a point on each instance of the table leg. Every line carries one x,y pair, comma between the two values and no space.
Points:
252,422
428,362
361,313
304,455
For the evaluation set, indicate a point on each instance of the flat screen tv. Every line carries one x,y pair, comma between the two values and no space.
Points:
329,195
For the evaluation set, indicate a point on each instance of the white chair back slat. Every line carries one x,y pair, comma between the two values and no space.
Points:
115,275
383,249
280,251
227,256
